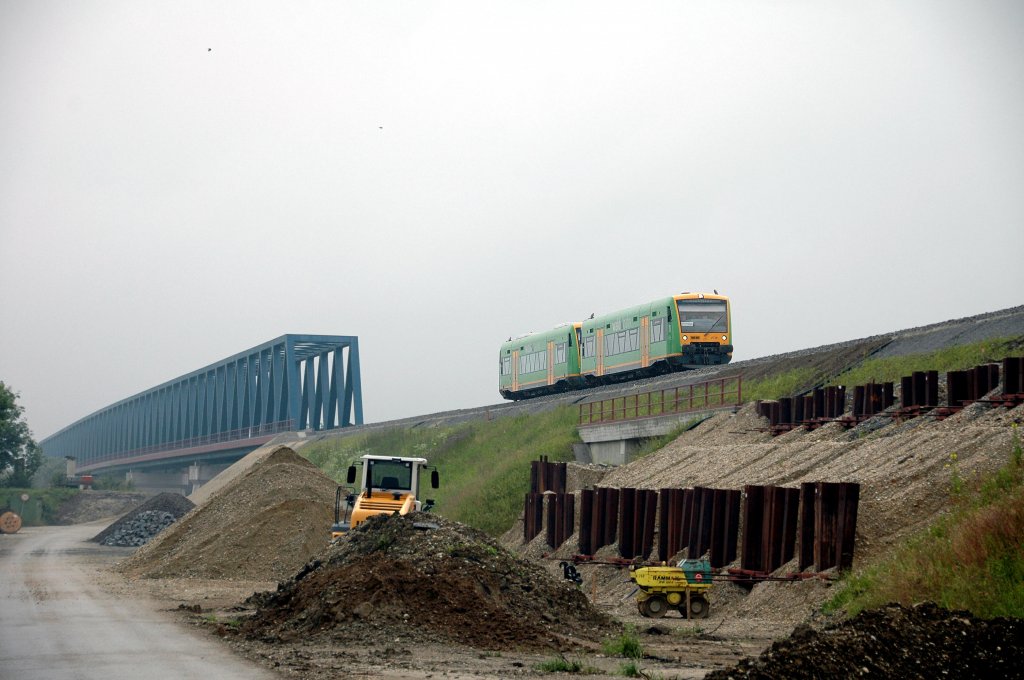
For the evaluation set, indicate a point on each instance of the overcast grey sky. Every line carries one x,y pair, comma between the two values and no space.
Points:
180,181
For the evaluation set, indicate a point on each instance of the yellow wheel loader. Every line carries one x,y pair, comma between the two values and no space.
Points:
684,587
389,485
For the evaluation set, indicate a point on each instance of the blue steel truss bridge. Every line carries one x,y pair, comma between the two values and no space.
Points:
188,428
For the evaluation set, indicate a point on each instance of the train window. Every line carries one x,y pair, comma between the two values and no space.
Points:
622,342
533,362
657,331
703,316
588,347
506,365
560,353
611,344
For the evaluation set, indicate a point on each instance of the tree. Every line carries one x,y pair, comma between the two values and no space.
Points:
20,456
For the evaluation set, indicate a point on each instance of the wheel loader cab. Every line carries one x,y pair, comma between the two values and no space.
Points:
388,485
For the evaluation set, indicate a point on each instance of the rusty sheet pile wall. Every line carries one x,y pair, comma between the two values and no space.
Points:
765,526
547,485
919,395
770,517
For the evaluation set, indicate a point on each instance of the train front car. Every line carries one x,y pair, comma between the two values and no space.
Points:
540,363
705,330
669,334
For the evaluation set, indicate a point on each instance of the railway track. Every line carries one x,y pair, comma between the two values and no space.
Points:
1002,323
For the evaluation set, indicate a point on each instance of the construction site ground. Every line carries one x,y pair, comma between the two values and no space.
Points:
393,602
674,647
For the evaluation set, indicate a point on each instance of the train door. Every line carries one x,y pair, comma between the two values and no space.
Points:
600,351
551,362
645,341
515,370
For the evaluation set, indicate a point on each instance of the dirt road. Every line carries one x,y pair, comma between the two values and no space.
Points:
56,622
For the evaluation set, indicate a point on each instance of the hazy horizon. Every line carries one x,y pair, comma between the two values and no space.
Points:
184,181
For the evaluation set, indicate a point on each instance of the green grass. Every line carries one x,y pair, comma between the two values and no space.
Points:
970,559
782,385
484,466
626,645
630,669
891,369
41,507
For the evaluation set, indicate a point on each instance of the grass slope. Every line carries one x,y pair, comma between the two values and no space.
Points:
972,558
484,466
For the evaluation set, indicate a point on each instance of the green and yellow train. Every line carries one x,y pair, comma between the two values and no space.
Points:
684,331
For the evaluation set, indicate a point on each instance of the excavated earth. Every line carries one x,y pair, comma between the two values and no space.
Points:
924,641
424,579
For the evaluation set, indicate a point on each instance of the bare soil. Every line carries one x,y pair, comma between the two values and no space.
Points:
394,601
924,642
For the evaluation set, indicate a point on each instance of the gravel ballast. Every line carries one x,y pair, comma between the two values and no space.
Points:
140,525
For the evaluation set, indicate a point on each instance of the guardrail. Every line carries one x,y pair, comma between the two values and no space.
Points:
696,397
239,434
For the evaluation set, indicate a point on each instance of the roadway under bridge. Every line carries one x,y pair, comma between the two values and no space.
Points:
178,435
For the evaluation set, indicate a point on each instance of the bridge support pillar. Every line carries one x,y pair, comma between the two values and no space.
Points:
159,481
615,442
183,479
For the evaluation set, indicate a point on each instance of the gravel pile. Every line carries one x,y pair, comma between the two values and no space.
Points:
146,521
140,528
262,526
924,641
390,579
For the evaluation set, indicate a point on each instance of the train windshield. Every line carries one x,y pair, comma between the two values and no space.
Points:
393,475
703,316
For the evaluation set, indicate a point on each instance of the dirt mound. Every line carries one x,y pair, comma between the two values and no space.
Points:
925,641
89,506
172,503
389,580
262,526
238,469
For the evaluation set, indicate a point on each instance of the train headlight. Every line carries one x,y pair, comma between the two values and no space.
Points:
724,338
685,337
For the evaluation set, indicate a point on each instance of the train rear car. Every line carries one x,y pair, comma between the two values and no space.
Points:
540,363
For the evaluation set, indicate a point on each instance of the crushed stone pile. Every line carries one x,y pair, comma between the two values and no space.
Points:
263,526
140,523
388,580
924,641
140,529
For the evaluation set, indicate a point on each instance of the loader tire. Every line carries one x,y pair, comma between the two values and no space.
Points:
699,607
654,607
